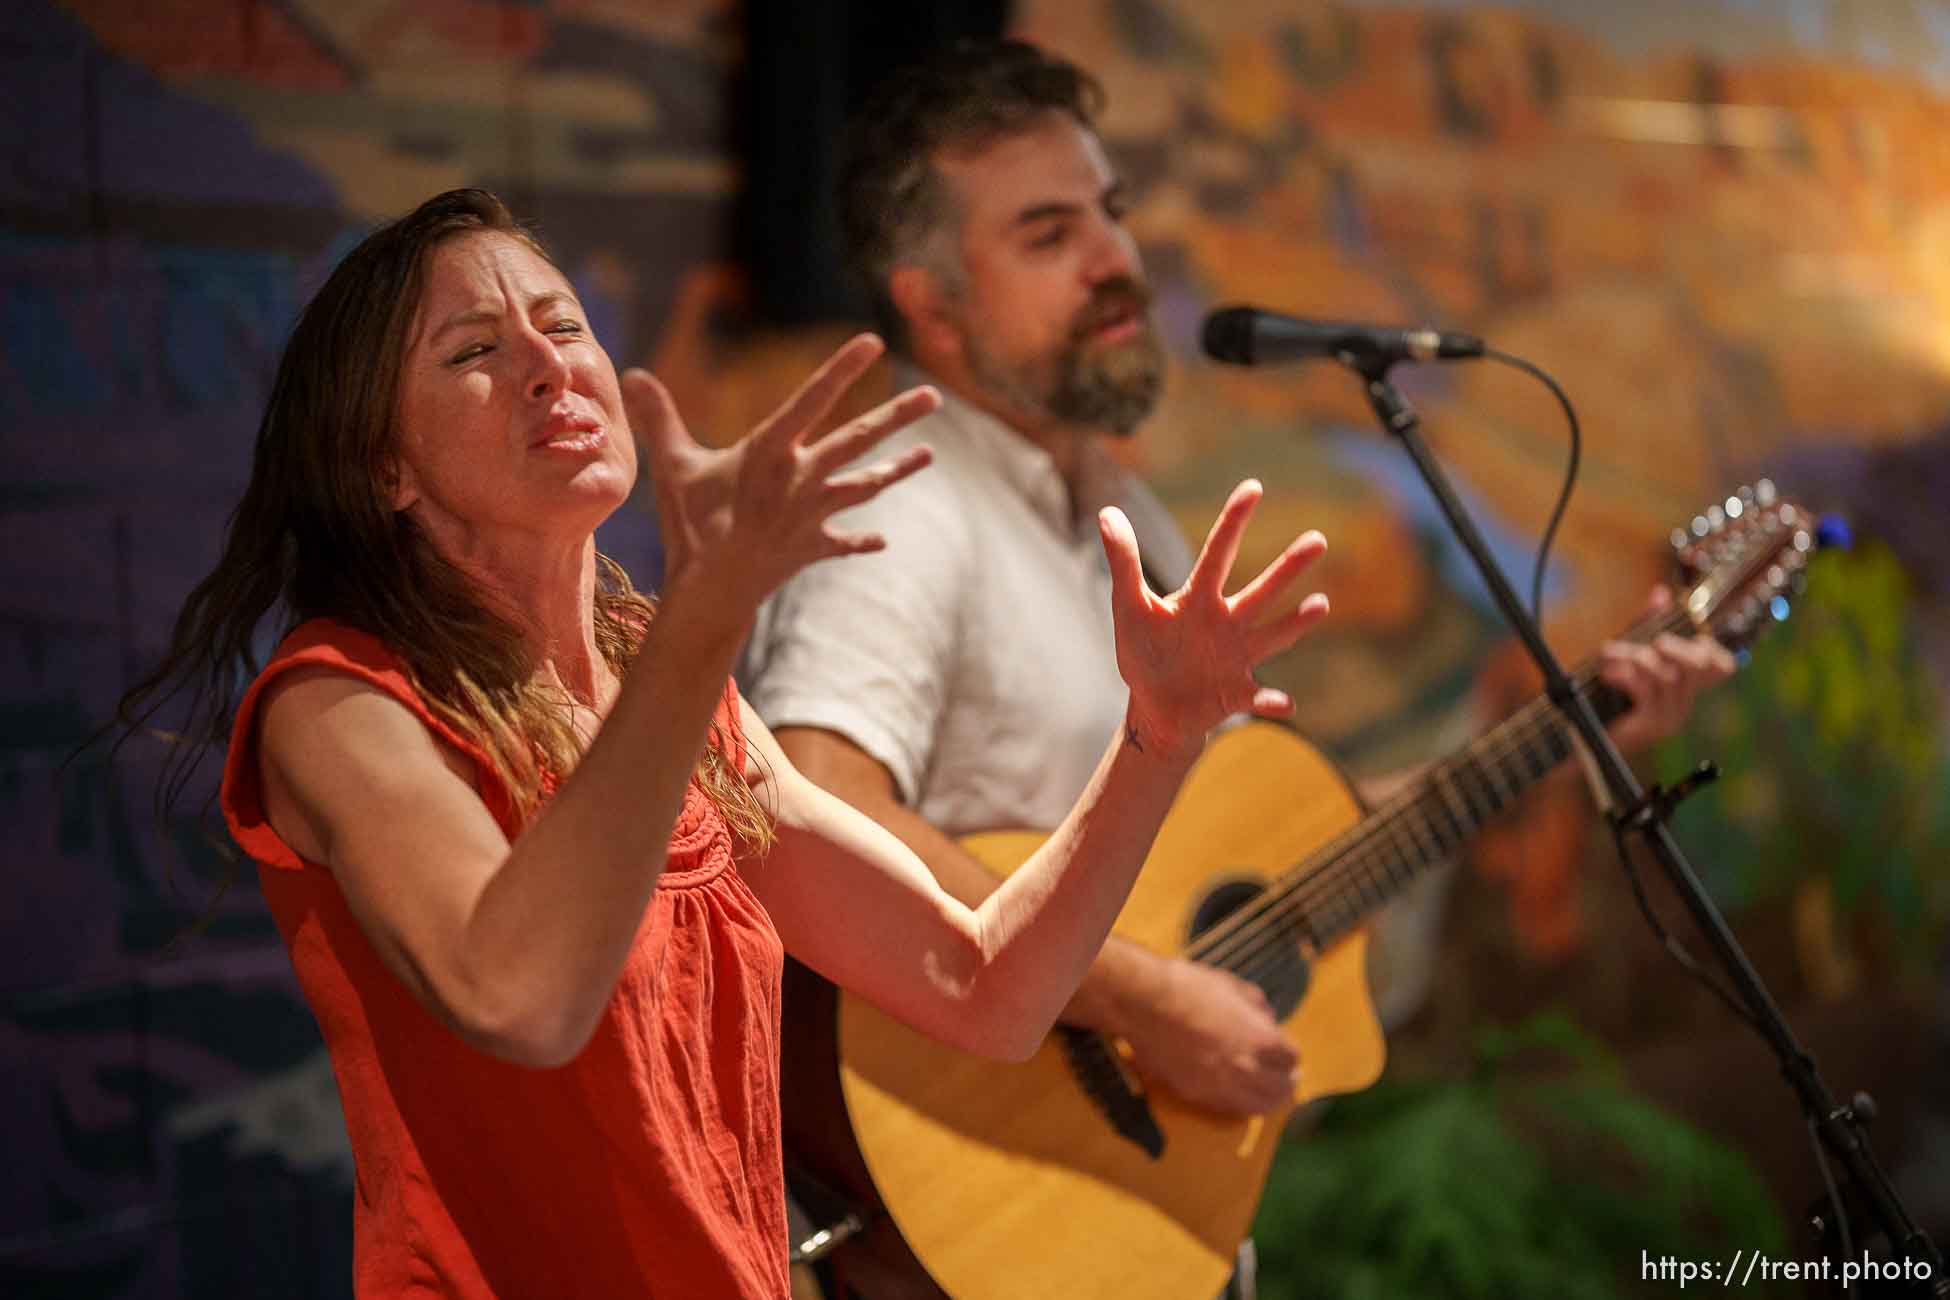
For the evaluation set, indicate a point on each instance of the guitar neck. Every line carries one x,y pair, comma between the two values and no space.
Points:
1341,884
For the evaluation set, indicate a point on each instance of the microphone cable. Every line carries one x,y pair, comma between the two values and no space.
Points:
1570,474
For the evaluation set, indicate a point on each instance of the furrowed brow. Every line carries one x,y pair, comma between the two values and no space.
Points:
477,316
485,315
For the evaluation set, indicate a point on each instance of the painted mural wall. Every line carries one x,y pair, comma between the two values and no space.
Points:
1724,227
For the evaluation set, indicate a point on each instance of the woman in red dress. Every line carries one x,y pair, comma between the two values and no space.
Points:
535,861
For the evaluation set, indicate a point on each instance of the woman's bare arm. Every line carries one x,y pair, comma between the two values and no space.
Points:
854,902
518,946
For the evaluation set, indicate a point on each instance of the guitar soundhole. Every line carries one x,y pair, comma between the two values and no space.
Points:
1266,953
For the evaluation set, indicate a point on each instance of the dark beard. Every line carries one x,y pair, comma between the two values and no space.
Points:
1108,387
1111,388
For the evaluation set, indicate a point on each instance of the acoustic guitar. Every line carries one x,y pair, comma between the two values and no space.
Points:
1064,1176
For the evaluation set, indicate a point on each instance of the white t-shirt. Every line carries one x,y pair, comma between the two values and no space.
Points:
973,657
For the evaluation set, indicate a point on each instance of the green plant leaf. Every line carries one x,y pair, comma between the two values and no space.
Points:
1538,1173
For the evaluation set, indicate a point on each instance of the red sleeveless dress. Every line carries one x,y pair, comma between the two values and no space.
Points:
648,1166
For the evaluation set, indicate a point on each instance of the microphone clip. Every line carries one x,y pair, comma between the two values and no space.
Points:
1658,801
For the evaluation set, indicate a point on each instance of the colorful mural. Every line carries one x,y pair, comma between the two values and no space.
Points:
1724,226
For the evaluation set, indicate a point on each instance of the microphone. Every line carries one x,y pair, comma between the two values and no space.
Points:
1247,336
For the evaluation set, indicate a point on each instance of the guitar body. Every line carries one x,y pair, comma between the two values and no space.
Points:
1009,1180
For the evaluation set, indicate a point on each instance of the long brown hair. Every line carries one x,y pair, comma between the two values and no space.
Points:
316,536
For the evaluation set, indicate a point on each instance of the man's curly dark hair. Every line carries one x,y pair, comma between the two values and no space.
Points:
892,201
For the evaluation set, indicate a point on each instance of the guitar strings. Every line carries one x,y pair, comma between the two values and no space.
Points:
1362,855
1241,941
1370,869
1329,862
1347,857
1392,854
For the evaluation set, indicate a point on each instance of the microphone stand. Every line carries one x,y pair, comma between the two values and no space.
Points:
1839,1127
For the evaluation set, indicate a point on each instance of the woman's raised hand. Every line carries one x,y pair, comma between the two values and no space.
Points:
740,520
1189,657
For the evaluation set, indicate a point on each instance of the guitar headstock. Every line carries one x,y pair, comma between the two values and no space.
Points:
1744,560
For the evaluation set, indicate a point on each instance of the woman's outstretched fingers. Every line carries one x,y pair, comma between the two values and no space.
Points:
653,416
813,399
1269,587
1189,657
1221,547
1121,553
670,455
854,438
1269,639
860,485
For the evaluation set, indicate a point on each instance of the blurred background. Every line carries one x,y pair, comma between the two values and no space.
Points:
1723,225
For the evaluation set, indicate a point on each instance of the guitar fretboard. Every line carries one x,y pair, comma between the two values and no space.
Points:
1444,811
1345,880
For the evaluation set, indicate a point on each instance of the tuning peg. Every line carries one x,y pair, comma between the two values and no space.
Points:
1681,539
1764,492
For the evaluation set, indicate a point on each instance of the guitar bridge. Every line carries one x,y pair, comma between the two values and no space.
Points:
1111,1089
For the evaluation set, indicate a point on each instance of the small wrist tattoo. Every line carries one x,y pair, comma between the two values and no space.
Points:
1130,734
